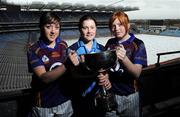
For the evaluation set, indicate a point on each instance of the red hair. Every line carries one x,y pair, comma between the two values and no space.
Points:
122,17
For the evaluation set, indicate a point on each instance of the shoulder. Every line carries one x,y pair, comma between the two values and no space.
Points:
74,46
34,46
139,42
134,39
111,41
100,46
63,43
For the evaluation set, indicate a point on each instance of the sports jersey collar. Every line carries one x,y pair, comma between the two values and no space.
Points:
42,44
132,37
83,50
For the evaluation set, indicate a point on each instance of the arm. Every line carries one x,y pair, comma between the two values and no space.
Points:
36,65
134,69
49,76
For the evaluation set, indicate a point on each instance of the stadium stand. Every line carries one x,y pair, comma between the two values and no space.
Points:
13,71
14,76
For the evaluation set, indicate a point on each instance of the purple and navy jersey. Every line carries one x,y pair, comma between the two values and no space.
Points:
39,54
122,81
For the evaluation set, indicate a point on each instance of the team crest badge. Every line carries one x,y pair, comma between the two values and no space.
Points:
45,59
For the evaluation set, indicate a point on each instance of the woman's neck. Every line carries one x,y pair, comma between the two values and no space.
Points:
126,37
89,45
51,45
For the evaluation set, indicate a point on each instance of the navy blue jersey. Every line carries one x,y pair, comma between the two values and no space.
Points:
122,81
39,54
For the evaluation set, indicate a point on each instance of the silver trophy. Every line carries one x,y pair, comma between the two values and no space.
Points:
97,62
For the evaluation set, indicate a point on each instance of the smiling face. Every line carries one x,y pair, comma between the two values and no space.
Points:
88,30
50,24
51,31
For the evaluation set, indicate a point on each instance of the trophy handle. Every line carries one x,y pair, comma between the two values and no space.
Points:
104,90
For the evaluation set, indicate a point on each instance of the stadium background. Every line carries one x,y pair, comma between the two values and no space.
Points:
19,27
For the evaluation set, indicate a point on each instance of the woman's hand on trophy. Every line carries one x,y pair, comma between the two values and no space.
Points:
82,58
104,80
121,52
74,57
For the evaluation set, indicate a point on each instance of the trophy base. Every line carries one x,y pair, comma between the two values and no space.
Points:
106,102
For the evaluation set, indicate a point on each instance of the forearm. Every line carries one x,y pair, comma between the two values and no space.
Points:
134,69
51,76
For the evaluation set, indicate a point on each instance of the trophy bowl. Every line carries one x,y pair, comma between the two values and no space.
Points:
101,60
